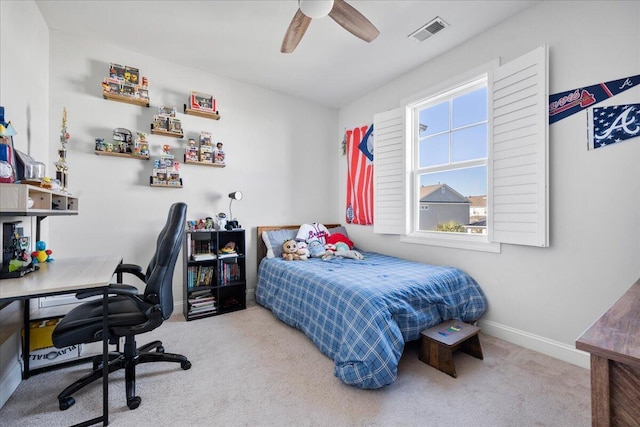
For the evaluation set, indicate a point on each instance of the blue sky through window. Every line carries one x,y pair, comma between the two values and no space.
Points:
455,131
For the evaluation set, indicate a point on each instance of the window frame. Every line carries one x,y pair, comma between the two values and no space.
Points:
459,85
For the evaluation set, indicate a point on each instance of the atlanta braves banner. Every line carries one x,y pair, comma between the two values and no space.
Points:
360,175
608,125
564,104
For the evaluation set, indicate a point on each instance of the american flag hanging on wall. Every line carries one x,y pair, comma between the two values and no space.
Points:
359,143
609,125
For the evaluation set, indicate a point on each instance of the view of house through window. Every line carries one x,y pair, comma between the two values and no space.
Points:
450,160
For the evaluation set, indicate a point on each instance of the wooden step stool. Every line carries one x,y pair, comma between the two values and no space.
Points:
440,341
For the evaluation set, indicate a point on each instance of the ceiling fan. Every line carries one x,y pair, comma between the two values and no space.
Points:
341,12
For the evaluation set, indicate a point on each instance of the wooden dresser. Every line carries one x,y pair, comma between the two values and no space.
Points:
614,344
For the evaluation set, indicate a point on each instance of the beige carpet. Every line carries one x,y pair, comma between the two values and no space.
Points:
250,369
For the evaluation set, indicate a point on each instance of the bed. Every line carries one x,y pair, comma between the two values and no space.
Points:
360,313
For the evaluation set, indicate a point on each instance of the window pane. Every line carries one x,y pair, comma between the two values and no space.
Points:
469,143
434,151
466,181
470,108
453,201
434,119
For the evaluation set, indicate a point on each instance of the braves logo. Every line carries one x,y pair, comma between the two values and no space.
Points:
627,83
622,122
577,97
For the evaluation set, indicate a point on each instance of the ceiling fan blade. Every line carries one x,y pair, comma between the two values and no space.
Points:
296,30
353,21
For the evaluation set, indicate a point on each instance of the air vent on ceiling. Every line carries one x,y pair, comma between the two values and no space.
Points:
429,29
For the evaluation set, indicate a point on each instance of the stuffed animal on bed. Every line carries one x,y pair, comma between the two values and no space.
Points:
340,250
339,245
303,251
290,250
316,249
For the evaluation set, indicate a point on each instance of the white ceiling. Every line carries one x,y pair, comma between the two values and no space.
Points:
240,39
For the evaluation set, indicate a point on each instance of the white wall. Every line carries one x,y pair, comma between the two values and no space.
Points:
545,298
24,87
272,144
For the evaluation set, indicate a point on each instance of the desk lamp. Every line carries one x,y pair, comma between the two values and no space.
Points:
232,223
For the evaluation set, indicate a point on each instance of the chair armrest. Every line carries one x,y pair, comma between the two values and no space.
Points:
114,288
133,269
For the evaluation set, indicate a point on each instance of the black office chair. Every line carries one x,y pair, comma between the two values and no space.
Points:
130,314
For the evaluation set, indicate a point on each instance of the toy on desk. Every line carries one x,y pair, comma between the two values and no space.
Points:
41,254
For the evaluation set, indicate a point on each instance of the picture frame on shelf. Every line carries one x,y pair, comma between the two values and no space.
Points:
202,102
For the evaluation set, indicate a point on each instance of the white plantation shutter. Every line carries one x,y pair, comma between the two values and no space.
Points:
518,151
390,172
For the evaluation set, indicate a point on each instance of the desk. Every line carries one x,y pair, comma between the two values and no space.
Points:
65,276
614,344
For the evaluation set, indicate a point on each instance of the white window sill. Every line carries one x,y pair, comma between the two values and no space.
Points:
455,241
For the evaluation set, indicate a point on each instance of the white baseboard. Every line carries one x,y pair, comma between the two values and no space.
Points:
10,382
537,343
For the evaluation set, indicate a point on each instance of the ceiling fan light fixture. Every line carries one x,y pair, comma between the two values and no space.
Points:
315,8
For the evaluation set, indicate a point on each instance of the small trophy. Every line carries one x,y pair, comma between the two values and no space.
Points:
61,164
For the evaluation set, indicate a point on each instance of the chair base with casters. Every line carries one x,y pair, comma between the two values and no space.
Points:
129,313
128,360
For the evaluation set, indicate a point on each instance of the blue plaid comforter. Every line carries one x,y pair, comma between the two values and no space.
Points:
360,313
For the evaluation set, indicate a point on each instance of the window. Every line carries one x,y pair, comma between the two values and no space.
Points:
449,170
465,164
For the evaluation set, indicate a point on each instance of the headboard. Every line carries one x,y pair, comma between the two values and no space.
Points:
262,249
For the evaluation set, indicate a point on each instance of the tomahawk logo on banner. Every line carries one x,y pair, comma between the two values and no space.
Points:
360,175
609,125
564,104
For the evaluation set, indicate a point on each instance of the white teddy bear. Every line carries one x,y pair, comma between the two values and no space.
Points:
303,251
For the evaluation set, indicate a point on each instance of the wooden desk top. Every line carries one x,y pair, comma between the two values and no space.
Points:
64,275
616,335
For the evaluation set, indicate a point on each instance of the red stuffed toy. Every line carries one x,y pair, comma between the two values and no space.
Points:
339,237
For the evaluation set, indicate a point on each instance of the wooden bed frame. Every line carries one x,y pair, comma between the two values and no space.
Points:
262,249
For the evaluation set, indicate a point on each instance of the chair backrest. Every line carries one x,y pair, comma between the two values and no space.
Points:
159,276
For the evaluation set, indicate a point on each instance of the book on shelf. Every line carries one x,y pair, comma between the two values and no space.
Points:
201,310
202,298
209,303
203,257
227,255
200,276
230,273
201,293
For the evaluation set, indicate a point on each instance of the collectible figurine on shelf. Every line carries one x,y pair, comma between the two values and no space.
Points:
191,152
218,154
100,144
221,221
